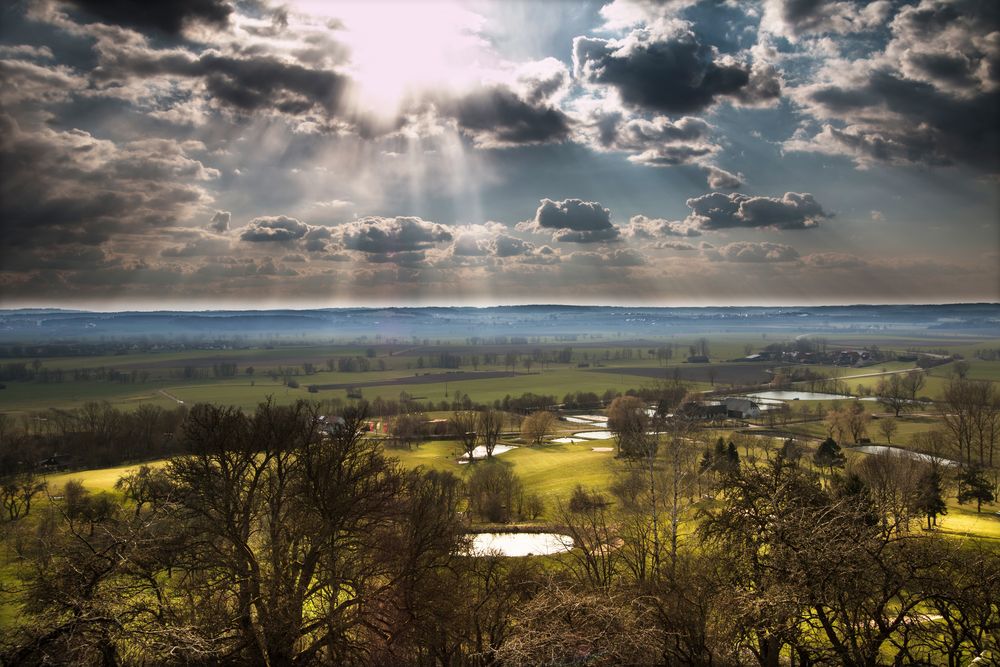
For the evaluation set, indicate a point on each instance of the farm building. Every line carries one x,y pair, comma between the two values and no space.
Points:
741,408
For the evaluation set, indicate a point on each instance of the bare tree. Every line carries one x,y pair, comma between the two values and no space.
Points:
17,492
971,414
914,381
857,421
628,422
895,392
537,426
463,424
290,522
893,485
489,426
586,517
601,628
888,427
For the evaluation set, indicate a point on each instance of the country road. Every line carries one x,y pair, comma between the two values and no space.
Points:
170,396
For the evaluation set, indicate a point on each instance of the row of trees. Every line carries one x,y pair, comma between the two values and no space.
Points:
94,435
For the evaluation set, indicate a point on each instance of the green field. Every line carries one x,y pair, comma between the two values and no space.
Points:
189,376
552,471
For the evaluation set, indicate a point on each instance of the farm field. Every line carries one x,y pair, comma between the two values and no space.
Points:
485,383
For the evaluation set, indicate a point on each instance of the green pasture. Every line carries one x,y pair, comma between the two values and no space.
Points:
964,521
102,479
240,391
164,370
553,471
37,396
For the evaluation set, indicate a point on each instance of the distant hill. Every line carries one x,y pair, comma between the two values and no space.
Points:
53,324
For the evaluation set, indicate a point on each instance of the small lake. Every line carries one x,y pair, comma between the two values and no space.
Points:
520,544
899,451
799,396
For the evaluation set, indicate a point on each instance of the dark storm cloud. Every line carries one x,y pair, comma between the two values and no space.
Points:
573,220
253,83
952,45
384,236
276,228
256,82
931,97
499,117
220,221
722,211
71,187
923,125
806,17
168,16
671,74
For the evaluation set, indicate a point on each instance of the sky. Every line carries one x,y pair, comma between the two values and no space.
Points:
305,153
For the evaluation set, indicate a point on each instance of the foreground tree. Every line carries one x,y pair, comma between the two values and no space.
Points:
289,532
17,491
598,628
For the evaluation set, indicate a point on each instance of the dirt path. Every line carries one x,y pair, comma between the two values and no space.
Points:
170,396
871,375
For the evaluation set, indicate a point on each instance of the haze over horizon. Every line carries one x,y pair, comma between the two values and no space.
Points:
256,154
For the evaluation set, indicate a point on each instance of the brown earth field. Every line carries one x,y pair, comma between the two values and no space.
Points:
425,379
739,374
262,358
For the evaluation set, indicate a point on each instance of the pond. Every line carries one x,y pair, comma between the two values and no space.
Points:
799,396
520,544
898,451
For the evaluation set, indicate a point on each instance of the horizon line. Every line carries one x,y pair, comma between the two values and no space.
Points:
231,308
